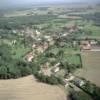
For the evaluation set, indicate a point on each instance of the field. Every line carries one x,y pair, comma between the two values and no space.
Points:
94,29
72,58
70,54
19,51
28,88
91,67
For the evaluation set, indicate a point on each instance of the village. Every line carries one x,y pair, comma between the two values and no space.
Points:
44,42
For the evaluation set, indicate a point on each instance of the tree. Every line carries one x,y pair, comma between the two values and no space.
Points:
80,96
3,72
13,68
60,54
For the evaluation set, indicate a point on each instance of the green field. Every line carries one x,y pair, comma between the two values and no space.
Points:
72,58
19,51
95,30
70,54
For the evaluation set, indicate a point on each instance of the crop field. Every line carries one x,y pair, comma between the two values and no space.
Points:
91,67
28,88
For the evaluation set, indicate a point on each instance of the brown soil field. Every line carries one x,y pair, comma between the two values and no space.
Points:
27,88
91,67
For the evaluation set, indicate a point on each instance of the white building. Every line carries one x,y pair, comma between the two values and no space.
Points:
56,69
38,33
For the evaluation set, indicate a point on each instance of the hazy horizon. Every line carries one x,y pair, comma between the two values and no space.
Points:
12,3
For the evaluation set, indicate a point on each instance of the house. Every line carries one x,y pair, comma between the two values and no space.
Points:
69,77
38,33
55,69
39,39
45,46
65,34
34,46
40,49
14,31
47,37
65,83
75,43
85,45
91,45
93,42
51,43
29,57
57,65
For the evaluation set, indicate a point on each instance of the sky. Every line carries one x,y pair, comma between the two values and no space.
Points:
5,3
41,1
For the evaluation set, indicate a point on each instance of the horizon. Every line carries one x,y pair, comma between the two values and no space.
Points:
18,3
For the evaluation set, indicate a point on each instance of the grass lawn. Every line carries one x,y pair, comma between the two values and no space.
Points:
70,55
72,58
91,67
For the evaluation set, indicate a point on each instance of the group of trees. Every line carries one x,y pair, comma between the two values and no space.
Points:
20,22
70,67
92,89
79,95
53,80
59,55
13,68
95,17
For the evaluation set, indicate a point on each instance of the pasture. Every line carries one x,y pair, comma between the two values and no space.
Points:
72,58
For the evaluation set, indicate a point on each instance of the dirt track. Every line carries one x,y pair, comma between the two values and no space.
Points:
28,88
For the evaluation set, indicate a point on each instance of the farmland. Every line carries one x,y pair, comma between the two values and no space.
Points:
91,67
27,88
